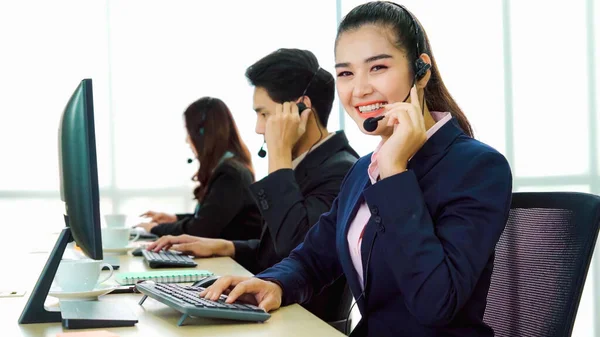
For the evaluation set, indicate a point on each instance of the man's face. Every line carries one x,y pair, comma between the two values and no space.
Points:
264,107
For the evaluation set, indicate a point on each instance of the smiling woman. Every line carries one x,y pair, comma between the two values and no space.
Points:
450,36
382,67
425,274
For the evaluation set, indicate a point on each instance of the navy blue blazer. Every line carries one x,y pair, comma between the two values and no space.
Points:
431,239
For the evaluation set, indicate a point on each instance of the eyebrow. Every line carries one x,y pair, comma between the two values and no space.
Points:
368,60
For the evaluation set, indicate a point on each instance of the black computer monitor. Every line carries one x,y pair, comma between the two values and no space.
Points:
79,170
79,191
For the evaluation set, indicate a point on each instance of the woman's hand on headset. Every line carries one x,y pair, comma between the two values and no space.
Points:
408,137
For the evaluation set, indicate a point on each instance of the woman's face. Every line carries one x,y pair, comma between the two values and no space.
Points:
371,72
188,140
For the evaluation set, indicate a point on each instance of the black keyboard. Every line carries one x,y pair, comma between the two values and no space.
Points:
167,259
186,300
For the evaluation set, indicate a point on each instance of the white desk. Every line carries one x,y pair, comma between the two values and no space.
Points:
155,318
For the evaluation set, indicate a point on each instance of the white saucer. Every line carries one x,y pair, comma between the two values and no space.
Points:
90,295
121,250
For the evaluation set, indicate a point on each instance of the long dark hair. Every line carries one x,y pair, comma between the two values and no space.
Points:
213,132
400,21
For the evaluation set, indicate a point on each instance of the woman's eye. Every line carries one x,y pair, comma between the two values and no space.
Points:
378,67
344,74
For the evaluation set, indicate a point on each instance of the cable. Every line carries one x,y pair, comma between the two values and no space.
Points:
320,131
362,294
312,110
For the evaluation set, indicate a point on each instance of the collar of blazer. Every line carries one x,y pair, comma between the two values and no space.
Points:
437,145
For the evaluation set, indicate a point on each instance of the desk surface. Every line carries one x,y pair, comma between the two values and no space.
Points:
155,318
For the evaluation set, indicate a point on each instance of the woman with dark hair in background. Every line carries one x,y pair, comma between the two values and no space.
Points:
225,208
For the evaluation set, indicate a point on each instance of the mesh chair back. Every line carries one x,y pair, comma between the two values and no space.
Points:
541,264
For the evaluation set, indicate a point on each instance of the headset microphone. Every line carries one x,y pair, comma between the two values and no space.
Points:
370,124
262,153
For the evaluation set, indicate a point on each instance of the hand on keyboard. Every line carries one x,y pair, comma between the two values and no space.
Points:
193,245
167,241
267,295
186,300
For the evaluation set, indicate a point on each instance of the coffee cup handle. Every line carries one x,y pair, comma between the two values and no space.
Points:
104,264
137,236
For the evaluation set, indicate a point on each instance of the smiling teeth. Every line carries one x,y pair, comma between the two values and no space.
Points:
371,107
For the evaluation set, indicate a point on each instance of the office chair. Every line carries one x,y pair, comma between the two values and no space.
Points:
541,264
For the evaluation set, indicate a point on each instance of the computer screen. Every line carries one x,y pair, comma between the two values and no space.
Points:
79,171
79,191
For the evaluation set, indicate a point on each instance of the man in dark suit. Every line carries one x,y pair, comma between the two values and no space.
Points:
307,164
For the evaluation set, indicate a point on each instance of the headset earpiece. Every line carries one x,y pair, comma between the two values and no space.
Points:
301,107
421,68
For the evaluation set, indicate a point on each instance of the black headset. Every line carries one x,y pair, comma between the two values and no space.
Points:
420,68
370,124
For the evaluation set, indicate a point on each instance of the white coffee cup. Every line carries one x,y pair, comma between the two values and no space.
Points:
115,220
80,275
115,238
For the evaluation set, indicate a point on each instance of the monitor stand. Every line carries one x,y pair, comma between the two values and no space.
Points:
34,311
77,314
96,314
